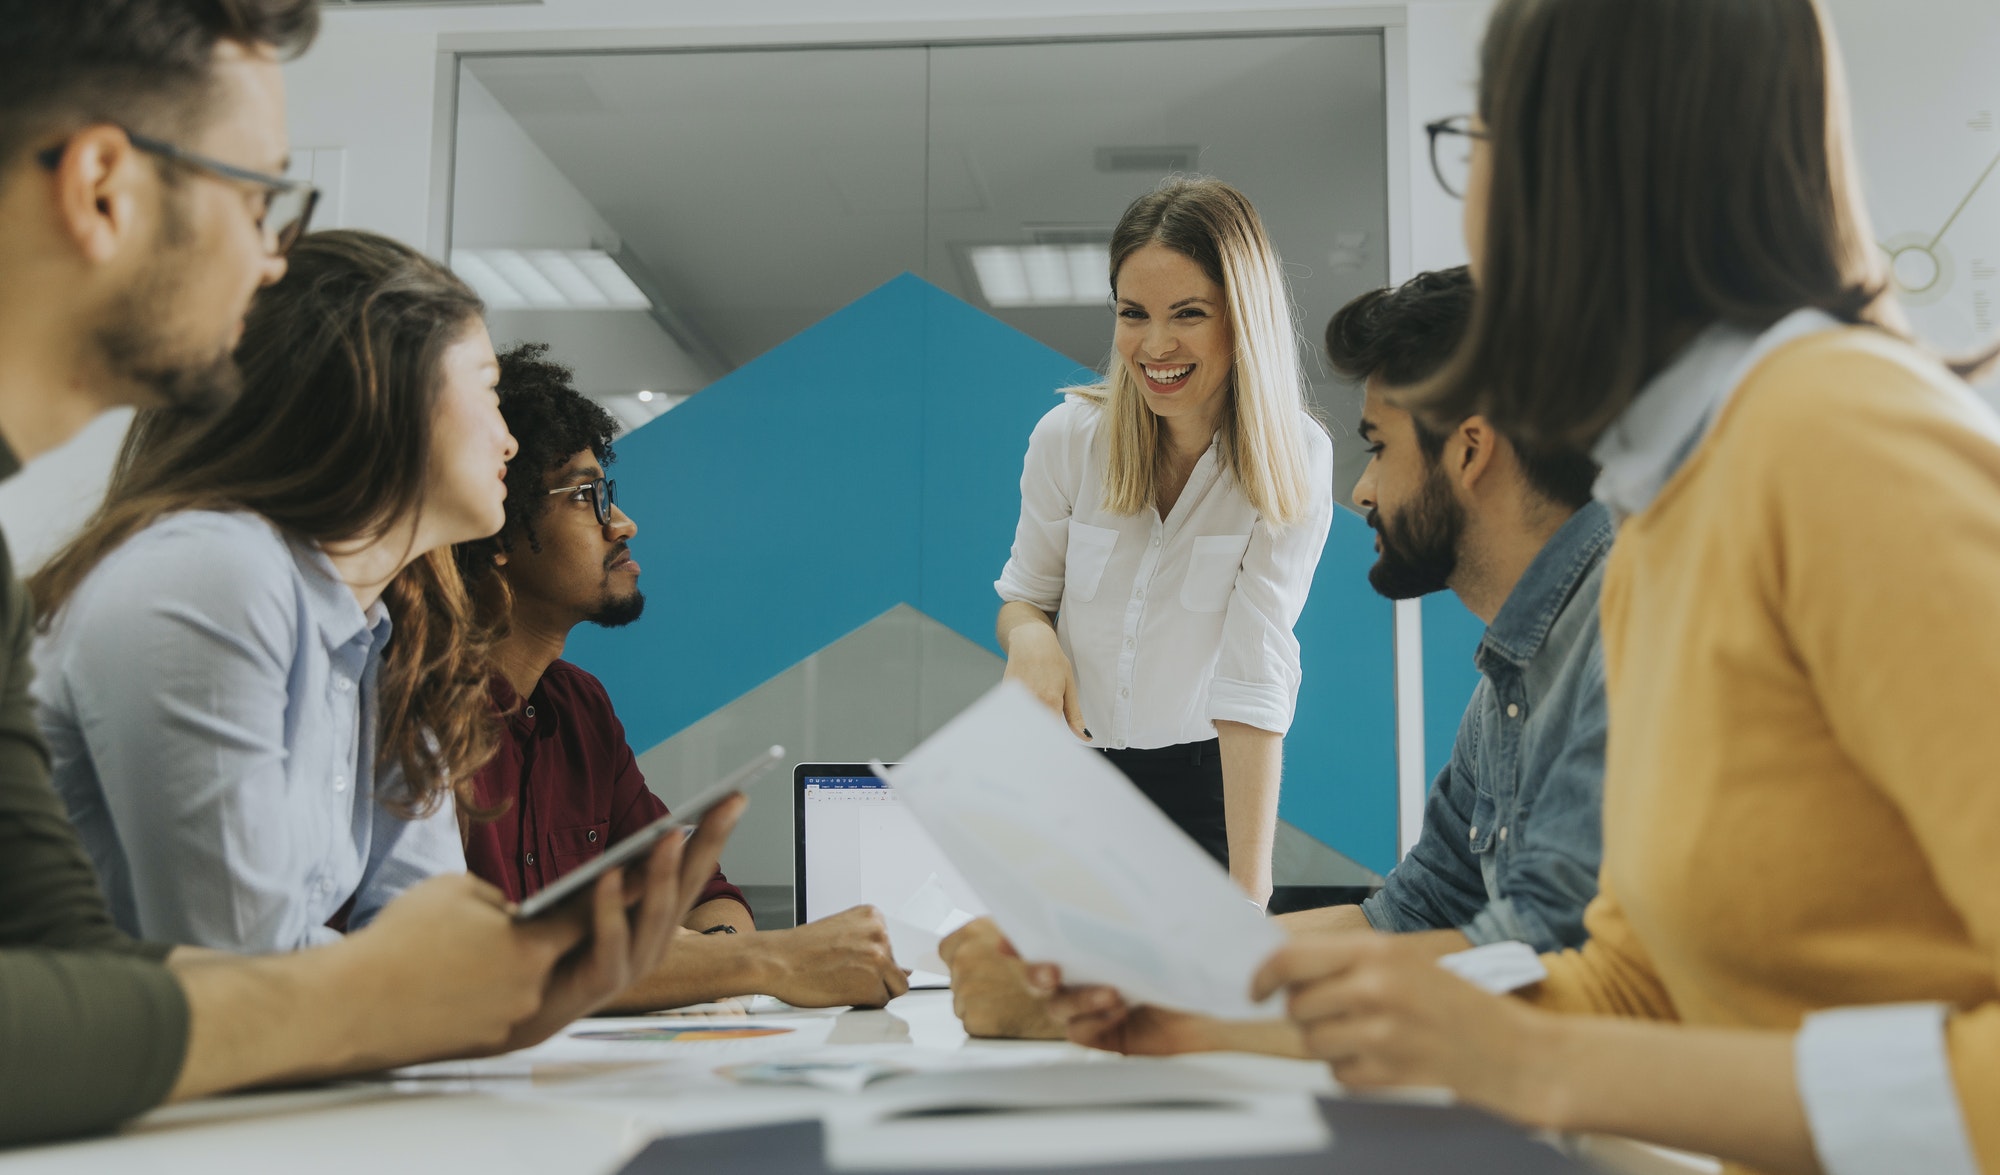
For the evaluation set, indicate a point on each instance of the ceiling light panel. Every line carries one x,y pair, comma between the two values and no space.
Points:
1042,275
548,279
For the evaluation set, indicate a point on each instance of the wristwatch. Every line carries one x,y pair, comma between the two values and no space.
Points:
723,928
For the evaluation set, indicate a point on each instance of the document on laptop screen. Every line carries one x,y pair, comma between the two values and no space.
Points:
1077,866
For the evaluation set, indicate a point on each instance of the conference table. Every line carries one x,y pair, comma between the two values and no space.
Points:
595,1097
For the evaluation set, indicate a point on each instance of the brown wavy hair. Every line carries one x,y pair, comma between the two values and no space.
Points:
1657,166
331,441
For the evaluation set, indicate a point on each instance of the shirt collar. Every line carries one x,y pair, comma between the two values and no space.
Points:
1662,426
514,712
1544,590
331,603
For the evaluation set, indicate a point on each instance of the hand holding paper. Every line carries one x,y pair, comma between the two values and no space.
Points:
1078,867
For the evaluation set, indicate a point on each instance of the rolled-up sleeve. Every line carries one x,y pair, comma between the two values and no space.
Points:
87,1040
1050,474
1257,672
180,695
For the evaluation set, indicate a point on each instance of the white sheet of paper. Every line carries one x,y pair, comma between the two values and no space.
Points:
1499,967
1077,866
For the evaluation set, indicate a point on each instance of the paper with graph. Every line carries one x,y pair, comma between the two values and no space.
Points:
1077,866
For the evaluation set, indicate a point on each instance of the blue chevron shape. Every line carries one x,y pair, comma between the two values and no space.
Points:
874,459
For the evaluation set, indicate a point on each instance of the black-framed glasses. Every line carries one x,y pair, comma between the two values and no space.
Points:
603,495
288,203
1451,152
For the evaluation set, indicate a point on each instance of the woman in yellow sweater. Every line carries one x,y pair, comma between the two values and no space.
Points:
1793,957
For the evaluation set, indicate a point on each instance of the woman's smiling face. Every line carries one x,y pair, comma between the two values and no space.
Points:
1173,333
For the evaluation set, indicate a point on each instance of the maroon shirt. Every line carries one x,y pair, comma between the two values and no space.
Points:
571,787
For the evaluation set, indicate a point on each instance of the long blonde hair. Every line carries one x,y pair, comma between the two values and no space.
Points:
1263,429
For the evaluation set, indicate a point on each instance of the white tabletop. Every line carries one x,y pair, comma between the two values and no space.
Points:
573,1104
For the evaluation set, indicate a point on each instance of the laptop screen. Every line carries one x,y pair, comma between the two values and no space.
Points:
859,845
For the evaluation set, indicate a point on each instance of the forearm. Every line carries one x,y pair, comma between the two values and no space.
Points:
721,912
1725,1092
1326,918
1252,761
1013,615
255,1021
700,968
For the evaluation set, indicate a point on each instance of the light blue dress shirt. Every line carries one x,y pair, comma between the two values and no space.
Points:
208,694
1875,1081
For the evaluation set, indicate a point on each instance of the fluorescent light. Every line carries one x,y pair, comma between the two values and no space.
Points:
548,279
1042,275
645,397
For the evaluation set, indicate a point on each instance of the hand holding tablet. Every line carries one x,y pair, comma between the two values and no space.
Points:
634,848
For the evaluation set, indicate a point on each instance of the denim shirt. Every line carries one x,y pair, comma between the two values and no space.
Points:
208,695
1513,826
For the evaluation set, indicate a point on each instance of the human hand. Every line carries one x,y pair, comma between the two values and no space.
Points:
1383,1013
449,972
627,942
1036,660
1100,1018
844,959
990,987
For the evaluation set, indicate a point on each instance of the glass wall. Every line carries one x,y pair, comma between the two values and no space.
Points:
667,219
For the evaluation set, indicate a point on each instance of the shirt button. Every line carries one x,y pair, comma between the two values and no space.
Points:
1513,711
1156,542
1140,594
591,836
530,711
529,859
340,783
1503,834
1124,693
1129,642
1474,834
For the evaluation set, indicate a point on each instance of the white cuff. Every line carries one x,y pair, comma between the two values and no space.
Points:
1264,706
1878,1092
1018,586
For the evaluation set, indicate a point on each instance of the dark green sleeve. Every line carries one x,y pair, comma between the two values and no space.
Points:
87,1040
49,894
93,1027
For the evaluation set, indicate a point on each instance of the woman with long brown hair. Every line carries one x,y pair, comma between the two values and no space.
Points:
1794,960
260,677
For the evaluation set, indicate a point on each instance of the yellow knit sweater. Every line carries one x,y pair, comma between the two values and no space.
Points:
1802,780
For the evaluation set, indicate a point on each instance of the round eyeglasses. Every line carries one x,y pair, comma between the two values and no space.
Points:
603,495
1451,152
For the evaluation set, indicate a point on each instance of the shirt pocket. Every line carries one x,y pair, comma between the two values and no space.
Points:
571,847
1212,568
1083,564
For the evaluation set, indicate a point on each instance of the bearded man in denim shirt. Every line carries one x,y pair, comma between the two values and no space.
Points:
1510,842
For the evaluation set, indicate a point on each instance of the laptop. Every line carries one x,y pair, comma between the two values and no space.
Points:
858,845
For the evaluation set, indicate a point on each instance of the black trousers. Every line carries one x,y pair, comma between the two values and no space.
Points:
1185,781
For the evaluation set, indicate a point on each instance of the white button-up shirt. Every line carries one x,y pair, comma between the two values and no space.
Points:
1174,623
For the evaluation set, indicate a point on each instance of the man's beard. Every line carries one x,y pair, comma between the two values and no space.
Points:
139,347
1419,543
619,611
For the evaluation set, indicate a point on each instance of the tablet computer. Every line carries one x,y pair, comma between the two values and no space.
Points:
641,842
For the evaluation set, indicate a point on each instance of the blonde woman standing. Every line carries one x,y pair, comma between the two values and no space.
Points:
1171,520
